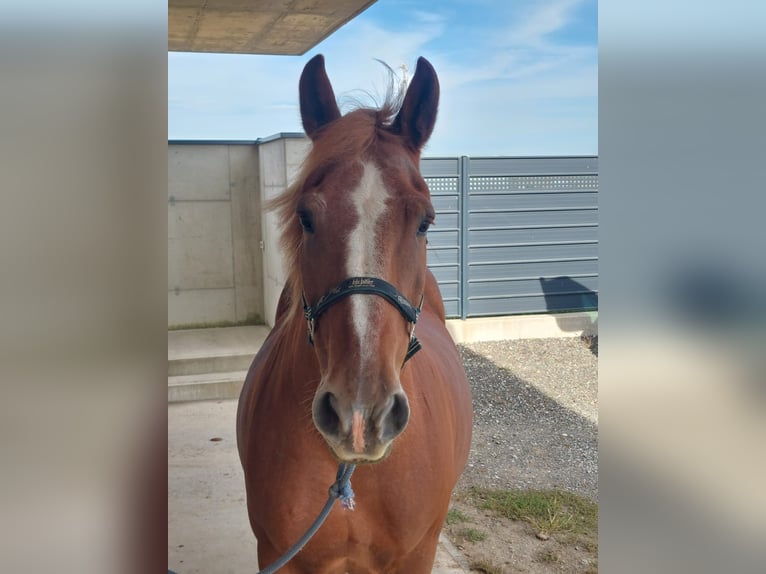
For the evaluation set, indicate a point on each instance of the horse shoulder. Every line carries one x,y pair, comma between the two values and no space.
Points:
263,370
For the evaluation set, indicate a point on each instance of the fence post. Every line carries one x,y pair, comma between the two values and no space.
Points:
463,184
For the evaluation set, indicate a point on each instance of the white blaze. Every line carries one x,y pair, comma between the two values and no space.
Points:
369,199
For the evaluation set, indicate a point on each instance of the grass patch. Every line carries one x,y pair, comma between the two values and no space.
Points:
546,510
485,567
454,516
589,545
548,557
471,535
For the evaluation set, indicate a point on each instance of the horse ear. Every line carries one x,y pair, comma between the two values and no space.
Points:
415,121
318,105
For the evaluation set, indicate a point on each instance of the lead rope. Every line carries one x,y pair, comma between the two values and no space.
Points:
341,488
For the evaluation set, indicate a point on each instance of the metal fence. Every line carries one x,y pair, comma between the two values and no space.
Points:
514,235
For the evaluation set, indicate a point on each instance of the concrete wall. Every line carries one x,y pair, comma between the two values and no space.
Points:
214,231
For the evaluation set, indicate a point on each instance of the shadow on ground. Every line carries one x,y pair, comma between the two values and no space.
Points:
564,294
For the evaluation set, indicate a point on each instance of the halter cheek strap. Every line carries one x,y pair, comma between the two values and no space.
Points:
371,286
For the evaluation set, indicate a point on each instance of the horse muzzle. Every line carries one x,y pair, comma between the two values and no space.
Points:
360,433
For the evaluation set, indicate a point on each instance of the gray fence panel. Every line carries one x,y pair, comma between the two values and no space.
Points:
531,219
514,235
525,269
532,166
444,242
440,167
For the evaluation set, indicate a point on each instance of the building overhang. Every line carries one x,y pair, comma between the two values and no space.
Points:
287,27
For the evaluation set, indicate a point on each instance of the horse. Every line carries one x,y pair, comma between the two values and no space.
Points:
332,383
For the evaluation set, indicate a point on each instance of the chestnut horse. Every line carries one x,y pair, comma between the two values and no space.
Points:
354,234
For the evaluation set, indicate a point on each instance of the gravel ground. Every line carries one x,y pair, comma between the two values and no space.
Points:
535,414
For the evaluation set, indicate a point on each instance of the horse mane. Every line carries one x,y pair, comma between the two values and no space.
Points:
351,135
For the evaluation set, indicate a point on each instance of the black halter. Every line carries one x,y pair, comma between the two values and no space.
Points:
372,286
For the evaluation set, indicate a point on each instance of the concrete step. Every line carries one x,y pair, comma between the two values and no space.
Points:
210,364
204,387
217,350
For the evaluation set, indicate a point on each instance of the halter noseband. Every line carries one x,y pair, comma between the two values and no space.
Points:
371,286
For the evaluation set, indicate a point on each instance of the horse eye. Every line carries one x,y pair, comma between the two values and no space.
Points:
423,229
305,220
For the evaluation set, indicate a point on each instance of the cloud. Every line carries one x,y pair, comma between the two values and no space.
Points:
518,46
351,53
428,17
539,21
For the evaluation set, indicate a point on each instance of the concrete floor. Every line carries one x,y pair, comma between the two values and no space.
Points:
208,529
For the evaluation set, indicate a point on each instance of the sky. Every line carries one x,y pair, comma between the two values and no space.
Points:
518,77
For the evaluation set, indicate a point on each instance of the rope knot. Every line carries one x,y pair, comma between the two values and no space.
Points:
341,488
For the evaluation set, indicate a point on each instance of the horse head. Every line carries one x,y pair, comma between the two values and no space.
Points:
360,213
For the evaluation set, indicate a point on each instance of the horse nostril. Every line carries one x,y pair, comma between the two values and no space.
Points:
326,417
396,418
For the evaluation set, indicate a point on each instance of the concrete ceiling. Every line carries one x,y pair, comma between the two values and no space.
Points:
289,27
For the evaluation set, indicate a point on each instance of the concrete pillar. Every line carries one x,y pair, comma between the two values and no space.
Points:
280,160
